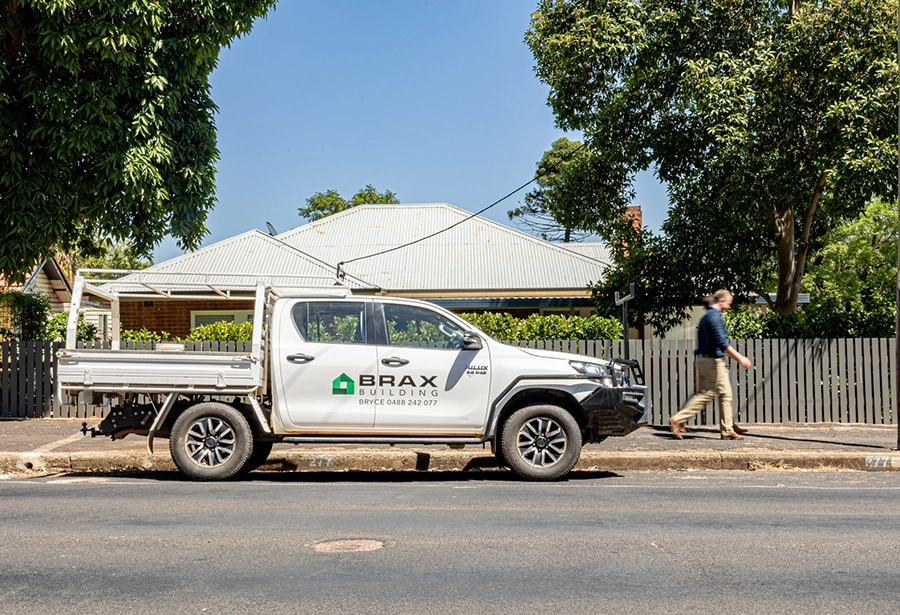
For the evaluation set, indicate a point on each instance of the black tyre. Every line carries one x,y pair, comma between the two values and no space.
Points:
497,450
261,451
541,442
211,441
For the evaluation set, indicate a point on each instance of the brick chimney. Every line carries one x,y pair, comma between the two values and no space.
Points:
634,214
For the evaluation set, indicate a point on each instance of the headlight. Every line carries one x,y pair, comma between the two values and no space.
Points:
594,370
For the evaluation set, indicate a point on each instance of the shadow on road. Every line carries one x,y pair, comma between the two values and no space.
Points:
703,432
352,476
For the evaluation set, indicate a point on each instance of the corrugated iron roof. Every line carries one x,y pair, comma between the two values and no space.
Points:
475,254
596,250
253,253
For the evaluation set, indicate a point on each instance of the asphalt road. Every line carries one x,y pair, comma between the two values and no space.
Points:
661,542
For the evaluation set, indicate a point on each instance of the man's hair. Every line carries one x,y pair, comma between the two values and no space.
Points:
722,294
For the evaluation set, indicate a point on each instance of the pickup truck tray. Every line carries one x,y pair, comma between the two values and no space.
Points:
146,371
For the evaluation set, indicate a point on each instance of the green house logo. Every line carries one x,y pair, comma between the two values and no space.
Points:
343,385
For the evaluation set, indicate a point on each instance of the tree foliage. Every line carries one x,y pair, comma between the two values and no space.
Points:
771,122
106,121
23,317
555,209
856,269
323,204
112,255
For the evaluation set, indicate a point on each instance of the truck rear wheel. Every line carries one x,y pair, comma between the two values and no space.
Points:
541,442
211,441
261,452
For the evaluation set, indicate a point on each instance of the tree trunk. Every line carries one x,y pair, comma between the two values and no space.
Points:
791,267
787,267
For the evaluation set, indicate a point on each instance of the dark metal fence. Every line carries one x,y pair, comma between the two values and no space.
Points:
28,377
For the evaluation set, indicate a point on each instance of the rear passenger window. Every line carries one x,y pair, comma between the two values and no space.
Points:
331,321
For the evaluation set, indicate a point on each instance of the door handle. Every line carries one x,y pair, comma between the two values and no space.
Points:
394,361
299,357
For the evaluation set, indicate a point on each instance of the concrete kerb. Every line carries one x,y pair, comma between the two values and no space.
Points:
365,460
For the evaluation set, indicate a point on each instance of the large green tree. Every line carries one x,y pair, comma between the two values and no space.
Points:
570,188
770,121
323,204
106,121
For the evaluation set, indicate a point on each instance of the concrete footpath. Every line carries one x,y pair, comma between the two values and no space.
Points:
40,446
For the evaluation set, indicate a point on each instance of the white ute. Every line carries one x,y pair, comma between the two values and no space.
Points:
326,366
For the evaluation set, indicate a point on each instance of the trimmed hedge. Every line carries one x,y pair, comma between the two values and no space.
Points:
751,324
221,332
504,326
142,335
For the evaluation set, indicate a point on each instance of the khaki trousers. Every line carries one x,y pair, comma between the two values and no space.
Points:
712,380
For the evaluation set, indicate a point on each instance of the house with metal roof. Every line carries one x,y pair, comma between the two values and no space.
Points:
227,272
435,252
455,259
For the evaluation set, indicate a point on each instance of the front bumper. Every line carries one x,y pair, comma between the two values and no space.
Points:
615,411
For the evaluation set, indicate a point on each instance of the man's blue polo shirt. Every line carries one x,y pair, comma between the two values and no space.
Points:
712,336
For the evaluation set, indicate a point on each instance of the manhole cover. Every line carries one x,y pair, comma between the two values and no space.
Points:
347,546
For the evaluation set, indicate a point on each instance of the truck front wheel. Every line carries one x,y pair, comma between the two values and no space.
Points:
541,442
211,441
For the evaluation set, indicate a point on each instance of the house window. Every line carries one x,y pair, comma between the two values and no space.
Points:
563,311
213,316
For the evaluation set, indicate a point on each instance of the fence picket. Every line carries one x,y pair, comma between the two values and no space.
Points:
892,355
866,409
883,411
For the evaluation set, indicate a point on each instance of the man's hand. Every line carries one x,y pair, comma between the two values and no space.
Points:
734,354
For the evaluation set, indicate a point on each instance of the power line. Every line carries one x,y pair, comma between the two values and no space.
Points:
340,265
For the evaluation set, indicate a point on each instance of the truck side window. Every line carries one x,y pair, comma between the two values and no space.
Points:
331,322
414,326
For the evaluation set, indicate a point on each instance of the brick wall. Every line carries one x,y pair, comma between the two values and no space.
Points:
173,317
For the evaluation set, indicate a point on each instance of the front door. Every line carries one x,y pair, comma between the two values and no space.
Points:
427,383
323,354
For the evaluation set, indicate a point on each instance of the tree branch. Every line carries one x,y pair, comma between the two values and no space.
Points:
803,248
765,297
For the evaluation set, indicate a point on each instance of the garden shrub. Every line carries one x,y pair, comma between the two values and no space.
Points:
809,323
221,332
142,335
56,329
503,326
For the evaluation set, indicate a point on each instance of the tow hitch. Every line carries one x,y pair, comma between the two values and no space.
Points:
123,420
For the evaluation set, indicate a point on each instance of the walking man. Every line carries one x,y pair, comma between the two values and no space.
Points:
712,372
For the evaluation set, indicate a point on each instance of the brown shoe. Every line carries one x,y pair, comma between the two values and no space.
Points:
732,436
676,428
738,429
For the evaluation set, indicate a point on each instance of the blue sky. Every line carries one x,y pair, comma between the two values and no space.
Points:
436,101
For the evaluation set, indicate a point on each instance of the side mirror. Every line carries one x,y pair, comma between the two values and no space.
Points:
471,341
